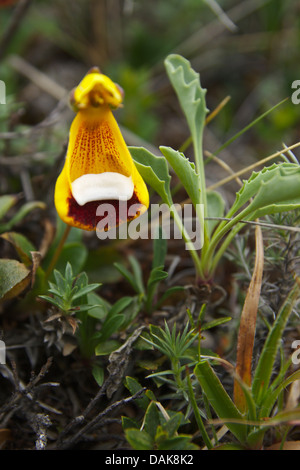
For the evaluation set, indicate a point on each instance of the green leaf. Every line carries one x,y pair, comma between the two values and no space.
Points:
171,425
22,245
157,274
154,171
111,325
191,96
168,293
21,214
214,323
128,276
272,395
98,374
139,440
151,419
6,203
160,248
137,274
180,442
120,305
134,386
273,189
219,399
106,347
102,308
14,278
129,423
132,309
186,172
85,290
264,369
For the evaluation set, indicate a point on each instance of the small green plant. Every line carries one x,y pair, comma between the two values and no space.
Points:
249,418
69,295
272,190
183,351
159,427
67,290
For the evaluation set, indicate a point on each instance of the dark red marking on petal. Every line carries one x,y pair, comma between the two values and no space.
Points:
86,215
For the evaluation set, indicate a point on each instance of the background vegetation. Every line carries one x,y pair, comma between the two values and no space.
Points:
63,362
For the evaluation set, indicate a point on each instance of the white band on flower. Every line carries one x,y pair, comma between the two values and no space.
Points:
102,186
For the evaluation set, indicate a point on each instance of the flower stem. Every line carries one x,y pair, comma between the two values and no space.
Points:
188,241
57,252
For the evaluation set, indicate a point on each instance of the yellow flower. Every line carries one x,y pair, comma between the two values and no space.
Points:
98,167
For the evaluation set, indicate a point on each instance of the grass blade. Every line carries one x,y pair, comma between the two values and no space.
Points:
265,364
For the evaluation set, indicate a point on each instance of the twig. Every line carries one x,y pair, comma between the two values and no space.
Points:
38,78
49,120
15,22
221,15
97,420
25,390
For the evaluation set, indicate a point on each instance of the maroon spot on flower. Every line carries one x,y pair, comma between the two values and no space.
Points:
116,214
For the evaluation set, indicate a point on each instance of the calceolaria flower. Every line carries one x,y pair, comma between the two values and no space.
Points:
98,167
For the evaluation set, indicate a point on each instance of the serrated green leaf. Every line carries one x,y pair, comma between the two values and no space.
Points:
277,185
186,172
191,96
154,171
